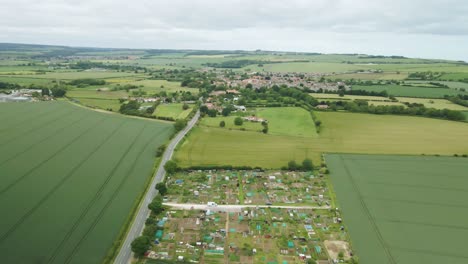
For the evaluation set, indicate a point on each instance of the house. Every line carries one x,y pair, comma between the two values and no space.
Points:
218,93
232,92
255,119
213,106
322,106
240,108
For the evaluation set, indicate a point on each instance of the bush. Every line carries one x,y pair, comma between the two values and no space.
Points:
307,164
292,165
140,245
162,188
179,125
171,167
160,150
222,124
238,121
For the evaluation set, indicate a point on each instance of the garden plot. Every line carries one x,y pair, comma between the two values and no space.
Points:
256,233
248,187
264,235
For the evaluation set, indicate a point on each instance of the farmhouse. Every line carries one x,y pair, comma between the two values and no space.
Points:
255,119
240,108
322,106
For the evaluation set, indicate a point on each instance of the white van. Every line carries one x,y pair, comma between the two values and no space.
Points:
212,204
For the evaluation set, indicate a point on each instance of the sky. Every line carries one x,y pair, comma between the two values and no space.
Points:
412,28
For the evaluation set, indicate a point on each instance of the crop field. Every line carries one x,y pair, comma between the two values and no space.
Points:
24,80
172,110
410,91
403,209
70,177
82,74
322,67
98,99
156,86
340,132
377,100
370,76
455,76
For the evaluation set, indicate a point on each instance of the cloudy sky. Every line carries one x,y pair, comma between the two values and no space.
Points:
414,28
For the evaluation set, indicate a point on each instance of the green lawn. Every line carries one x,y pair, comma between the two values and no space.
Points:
174,111
288,121
229,121
70,178
403,209
340,132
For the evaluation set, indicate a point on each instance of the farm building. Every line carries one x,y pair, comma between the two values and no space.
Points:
255,119
240,108
322,106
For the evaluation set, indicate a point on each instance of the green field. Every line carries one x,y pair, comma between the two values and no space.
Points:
403,209
340,132
292,121
409,91
370,76
174,111
288,121
156,86
70,177
71,75
229,122
378,100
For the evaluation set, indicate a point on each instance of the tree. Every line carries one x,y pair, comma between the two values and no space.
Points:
212,113
162,188
171,167
307,164
341,92
185,107
180,124
140,245
156,205
238,121
58,92
292,165
222,124
45,91
226,111
204,109
160,150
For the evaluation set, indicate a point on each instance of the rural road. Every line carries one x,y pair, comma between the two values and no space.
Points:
125,253
237,207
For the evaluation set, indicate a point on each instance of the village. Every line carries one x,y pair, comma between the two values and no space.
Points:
226,216
312,81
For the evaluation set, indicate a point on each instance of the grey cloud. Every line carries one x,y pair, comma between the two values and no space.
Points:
339,25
